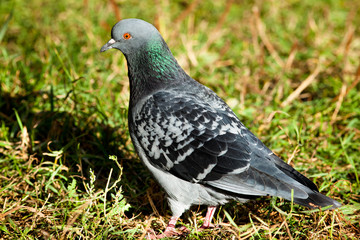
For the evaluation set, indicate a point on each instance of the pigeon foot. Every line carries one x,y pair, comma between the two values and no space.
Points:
168,233
209,215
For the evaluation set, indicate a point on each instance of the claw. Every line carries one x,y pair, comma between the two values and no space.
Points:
209,215
170,231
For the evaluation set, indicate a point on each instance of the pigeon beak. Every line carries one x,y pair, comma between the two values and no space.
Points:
108,45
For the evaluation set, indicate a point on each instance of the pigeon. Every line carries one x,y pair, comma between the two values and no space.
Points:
189,138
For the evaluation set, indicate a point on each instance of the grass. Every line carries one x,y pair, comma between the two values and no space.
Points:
290,70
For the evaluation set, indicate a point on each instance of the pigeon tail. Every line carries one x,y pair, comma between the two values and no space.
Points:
317,200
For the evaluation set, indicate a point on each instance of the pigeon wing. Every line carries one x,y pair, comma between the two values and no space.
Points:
203,141
190,138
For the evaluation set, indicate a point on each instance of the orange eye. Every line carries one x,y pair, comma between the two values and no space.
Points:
126,36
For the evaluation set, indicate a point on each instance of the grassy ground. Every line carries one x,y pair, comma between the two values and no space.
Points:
289,69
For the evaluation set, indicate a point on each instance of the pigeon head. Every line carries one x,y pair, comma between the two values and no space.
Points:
131,36
151,65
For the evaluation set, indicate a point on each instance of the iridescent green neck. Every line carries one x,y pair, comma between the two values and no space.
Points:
153,68
161,59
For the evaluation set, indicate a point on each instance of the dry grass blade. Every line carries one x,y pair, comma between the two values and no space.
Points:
152,203
216,32
186,12
356,81
147,228
349,36
291,57
311,78
287,228
346,41
30,209
264,38
72,219
115,9
296,150
181,17
353,85
338,104
188,44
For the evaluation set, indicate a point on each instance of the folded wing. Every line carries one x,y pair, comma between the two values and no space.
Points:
204,142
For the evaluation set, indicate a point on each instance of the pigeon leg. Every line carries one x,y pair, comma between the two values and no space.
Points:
170,230
209,215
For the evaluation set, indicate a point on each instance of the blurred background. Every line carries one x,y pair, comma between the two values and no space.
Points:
289,69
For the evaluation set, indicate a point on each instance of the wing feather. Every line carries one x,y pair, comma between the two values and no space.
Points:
201,141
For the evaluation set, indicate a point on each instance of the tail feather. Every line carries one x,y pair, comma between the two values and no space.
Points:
318,200
315,199
291,172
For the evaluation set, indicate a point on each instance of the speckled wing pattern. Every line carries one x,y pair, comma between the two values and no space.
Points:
203,141
190,138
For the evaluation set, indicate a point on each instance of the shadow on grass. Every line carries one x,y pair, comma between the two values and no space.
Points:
86,143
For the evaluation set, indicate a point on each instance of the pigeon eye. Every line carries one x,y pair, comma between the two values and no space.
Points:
126,36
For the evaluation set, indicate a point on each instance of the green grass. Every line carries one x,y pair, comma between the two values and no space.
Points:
68,169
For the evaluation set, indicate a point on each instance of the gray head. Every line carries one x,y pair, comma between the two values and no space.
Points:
129,35
151,65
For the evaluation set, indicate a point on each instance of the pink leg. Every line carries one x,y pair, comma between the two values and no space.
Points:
169,230
209,215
